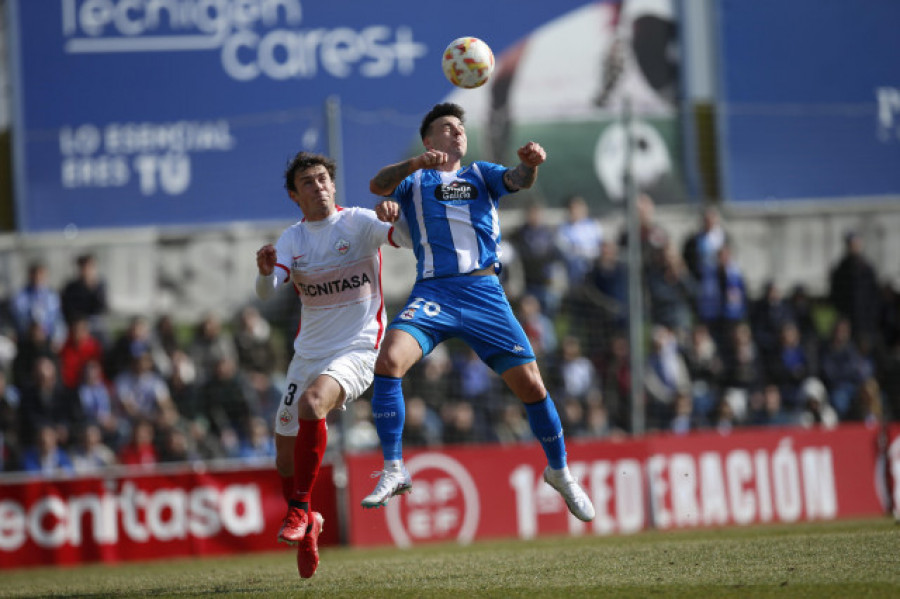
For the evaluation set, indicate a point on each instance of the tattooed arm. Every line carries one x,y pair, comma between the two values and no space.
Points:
524,175
388,178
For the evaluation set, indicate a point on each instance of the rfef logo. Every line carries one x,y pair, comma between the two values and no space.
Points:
443,505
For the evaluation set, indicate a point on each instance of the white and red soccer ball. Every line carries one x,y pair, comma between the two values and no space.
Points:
468,62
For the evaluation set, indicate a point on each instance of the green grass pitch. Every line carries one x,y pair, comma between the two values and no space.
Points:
836,559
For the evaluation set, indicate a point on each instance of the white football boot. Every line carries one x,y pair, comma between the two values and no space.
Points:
576,499
391,482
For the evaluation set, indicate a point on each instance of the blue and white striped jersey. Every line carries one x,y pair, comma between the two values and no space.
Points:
453,218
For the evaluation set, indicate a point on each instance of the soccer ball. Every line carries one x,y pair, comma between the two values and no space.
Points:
468,62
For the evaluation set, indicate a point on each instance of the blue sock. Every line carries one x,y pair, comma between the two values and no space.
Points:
545,425
389,413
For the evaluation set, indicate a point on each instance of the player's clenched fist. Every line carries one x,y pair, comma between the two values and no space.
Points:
387,211
532,154
265,259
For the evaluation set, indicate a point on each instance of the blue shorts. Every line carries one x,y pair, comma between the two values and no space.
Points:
472,308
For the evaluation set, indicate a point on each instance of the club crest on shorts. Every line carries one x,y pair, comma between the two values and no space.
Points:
285,417
342,246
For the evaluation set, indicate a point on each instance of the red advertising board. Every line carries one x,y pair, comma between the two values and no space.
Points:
463,494
667,482
166,513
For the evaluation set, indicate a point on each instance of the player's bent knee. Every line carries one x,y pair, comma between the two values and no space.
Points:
526,382
312,405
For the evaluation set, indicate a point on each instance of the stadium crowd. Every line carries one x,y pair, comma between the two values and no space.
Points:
76,396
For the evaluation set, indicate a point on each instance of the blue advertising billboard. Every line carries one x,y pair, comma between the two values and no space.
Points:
178,112
810,98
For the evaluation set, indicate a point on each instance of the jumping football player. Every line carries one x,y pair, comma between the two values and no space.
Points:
333,259
452,212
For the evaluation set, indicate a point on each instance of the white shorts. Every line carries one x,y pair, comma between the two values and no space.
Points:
354,371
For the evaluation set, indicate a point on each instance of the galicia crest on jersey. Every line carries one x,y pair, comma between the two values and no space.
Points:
453,218
336,263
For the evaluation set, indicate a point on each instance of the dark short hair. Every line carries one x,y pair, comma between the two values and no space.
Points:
447,108
303,161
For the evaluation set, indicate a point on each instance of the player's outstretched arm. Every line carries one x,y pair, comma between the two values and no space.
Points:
388,178
523,176
266,258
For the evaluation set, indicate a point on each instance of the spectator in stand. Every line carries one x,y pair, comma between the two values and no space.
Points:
722,301
37,302
597,424
571,414
44,401
97,405
140,451
46,456
578,376
176,447
854,290
210,344
788,366
91,454
263,395
140,391
79,348
724,419
732,289
666,378
800,305
132,341
816,411
615,373
253,342
766,408
84,296
538,326
654,239
743,365
578,240
705,368
535,245
684,417
182,383
423,425
480,387
32,347
605,296
259,446
843,368
670,290
459,424
767,316
701,249
512,426
164,344
223,399
165,335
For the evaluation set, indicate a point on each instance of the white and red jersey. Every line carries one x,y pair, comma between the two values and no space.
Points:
335,266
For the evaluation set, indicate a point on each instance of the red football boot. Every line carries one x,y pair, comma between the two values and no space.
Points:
308,551
293,528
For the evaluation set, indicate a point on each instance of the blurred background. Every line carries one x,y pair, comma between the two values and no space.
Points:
753,146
